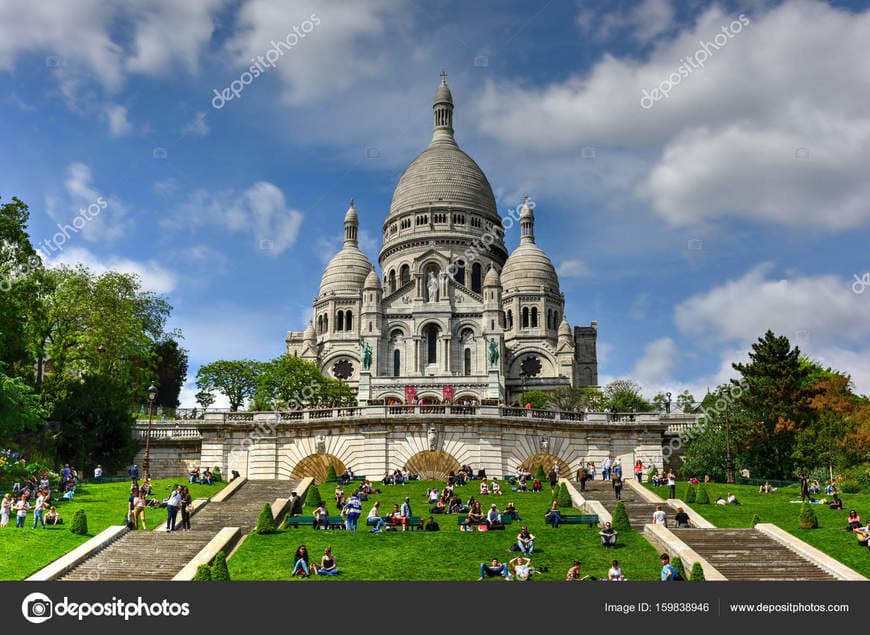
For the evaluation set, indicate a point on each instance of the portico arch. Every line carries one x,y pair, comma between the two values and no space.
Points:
433,464
547,461
316,466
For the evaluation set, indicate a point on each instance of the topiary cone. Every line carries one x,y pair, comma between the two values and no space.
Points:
203,574
691,494
540,474
755,520
677,564
266,521
703,496
331,476
697,574
563,497
219,570
807,518
313,499
79,524
620,520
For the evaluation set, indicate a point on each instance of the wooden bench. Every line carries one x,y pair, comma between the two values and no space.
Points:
577,519
332,522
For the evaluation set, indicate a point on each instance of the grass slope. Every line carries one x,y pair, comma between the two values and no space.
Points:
446,555
775,508
28,550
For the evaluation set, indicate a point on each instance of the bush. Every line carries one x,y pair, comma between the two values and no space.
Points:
216,473
850,488
755,520
807,518
79,524
266,521
697,574
540,474
652,471
313,499
691,494
620,518
331,476
203,574
563,497
677,564
703,497
219,570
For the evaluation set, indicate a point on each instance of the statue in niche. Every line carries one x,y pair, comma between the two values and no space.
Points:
433,439
493,352
433,287
545,445
366,354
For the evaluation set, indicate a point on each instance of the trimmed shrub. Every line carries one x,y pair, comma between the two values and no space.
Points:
331,476
216,473
79,524
563,497
697,574
703,497
313,499
850,488
691,494
266,521
620,518
807,518
219,570
203,574
652,471
755,520
677,564
540,474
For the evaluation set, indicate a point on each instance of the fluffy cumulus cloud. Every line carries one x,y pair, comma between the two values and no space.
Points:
782,98
117,118
654,366
261,212
154,276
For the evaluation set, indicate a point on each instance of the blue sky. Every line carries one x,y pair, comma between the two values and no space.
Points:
685,226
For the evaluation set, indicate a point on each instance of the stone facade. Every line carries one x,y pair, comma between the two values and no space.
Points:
447,293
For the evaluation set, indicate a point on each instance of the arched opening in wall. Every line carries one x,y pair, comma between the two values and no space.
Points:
433,465
430,399
397,363
467,361
320,325
466,400
534,317
547,461
348,321
432,344
525,317
392,286
326,324
459,276
316,466
476,278
339,321
555,320
404,275
549,319
510,319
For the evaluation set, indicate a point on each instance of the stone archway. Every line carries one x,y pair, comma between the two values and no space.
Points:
547,461
433,465
316,466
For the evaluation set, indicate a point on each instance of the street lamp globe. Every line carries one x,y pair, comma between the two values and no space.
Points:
152,392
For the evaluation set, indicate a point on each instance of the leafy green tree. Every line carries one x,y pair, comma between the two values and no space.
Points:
704,451
566,398
20,412
205,399
538,399
685,401
172,362
94,423
625,396
235,379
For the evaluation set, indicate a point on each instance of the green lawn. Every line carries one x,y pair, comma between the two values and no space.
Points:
446,555
775,508
28,550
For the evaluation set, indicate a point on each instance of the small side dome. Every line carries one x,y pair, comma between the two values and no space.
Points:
372,280
351,216
309,335
564,329
526,210
491,279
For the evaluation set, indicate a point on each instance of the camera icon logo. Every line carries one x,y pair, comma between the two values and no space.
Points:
37,608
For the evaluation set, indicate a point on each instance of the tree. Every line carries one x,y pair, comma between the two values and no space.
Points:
774,394
540,475
219,570
203,573
288,381
235,379
620,521
686,401
331,476
697,574
677,564
312,498
266,521
563,497
624,395
704,451
538,398
205,399
172,361
94,423
691,494
567,398
703,495
79,524
20,412
807,518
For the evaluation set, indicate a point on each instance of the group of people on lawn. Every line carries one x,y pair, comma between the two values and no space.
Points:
36,496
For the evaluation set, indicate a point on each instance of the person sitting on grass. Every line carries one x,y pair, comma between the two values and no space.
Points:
493,517
614,574
511,510
836,503
732,499
328,565
300,562
854,521
475,516
608,535
431,525
863,534
495,488
207,478
573,574
520,568
493,569
52,517
375,517
536,486
526,541
484,488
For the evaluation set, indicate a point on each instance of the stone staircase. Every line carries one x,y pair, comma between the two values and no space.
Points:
640,512
748,554
158,555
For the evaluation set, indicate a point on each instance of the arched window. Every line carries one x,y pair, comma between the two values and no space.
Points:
339,321
534,317
320,325
555,320
370,327
525,317
392,286
432,344
475,277
326,324
404,275
459,276
467,360
348,321
397,363
510,319
549,319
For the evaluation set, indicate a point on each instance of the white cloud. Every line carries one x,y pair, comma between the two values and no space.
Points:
260,211
645,21
153,275
654,366
108,225
198,127
573,268
779,100
117,117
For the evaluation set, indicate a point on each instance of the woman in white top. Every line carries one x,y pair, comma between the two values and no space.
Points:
4,510
614,574
496,488
374,513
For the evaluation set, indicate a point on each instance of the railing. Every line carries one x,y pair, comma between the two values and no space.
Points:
140,432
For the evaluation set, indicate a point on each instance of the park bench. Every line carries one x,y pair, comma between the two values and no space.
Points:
414,522
332,522
505,520
577,519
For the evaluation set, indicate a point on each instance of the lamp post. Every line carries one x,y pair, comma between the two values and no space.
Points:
152,395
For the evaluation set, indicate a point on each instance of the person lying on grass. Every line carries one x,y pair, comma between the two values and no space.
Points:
521,568
493,569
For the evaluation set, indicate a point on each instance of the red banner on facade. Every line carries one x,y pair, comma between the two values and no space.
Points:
410,394
448,393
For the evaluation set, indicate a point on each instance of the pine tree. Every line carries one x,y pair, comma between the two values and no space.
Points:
677,564
266,521
697,574
331,476
563,497
620,520
313,499
539,473
807,518
203,574
219,570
